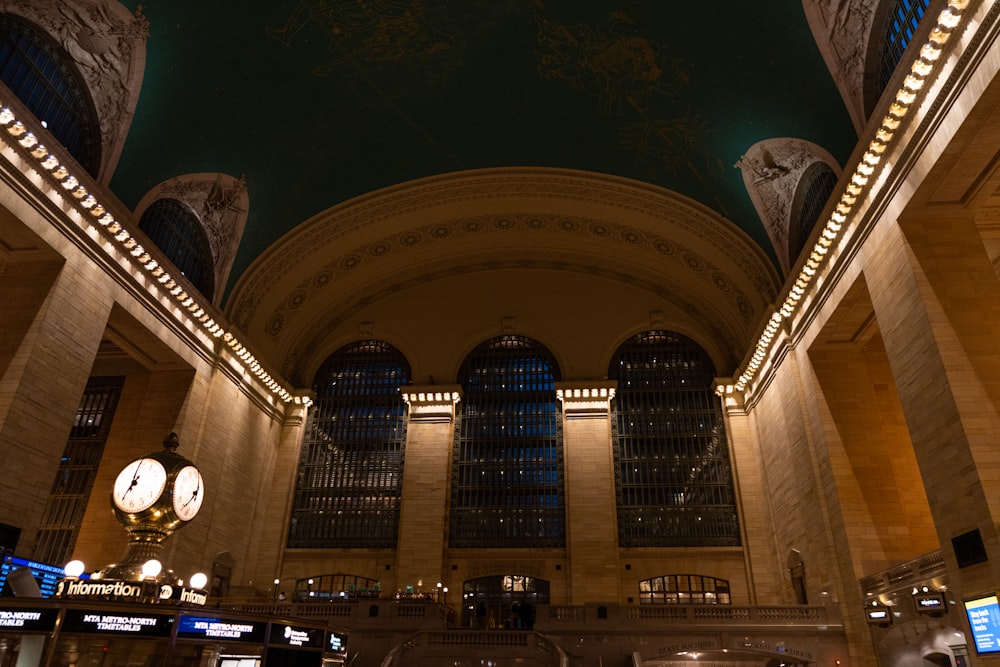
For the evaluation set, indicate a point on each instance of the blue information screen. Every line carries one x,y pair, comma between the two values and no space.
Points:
984,620
46,575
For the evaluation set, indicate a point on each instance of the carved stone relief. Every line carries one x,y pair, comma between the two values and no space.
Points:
221,203
771,173
107,45
842,29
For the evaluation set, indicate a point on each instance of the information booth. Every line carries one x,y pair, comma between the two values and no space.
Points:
56,633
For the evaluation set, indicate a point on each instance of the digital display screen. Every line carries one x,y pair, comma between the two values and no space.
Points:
46,575
28,619
210,627
984,620
290,635
879,616
336,642
103,622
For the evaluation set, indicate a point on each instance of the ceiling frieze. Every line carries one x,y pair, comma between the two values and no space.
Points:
548,192
630,239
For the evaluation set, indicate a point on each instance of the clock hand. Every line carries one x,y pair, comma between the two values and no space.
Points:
194,494
135,480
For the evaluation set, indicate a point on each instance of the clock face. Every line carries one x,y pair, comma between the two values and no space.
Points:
188,493
139,485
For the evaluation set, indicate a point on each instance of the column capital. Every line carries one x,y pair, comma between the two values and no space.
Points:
586,399
432,403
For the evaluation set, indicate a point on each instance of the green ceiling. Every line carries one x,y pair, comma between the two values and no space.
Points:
319,101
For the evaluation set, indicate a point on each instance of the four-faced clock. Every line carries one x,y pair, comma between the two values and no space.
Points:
139,485
188,493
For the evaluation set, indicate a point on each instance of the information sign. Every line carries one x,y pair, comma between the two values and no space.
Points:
296,636
984,620
27,619
117,623
211,627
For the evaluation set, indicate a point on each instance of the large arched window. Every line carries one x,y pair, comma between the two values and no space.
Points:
507,480
40,74
351,469
811,195
178,233
672,472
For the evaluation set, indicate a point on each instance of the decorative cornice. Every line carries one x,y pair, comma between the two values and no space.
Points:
590,400
432,404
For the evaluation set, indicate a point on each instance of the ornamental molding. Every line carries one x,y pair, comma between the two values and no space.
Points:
658,248
542,193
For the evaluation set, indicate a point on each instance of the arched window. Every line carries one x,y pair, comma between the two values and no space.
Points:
351,469
329,587
40,74
684,589
811,195
899,27
503,601
178,233
672,472
507,481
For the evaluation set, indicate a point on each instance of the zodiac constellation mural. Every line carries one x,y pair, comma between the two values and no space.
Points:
623,70
374,30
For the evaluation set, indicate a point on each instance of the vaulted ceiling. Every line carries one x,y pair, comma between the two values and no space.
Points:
317,102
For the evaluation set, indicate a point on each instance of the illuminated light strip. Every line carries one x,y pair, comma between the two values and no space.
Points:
921,68
49,164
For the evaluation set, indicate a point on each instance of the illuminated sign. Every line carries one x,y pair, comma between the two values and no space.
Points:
931,604
879,615
27,619
98,588
336,642
182,594
145,625
46,575
984,620
206,627
290,635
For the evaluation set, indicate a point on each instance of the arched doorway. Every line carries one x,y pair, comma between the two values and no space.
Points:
503,601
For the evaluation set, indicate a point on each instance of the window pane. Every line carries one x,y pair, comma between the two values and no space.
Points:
351,469
672,471
507,487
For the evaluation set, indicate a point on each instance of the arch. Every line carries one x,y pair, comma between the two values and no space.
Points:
503,601
336,586
178,232
812,193
350,475
105,45
355,262
507,476
773,172
684,589
673,479
222,204
41,75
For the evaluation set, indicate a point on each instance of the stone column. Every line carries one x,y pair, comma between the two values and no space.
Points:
591,516
278,508
423,521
